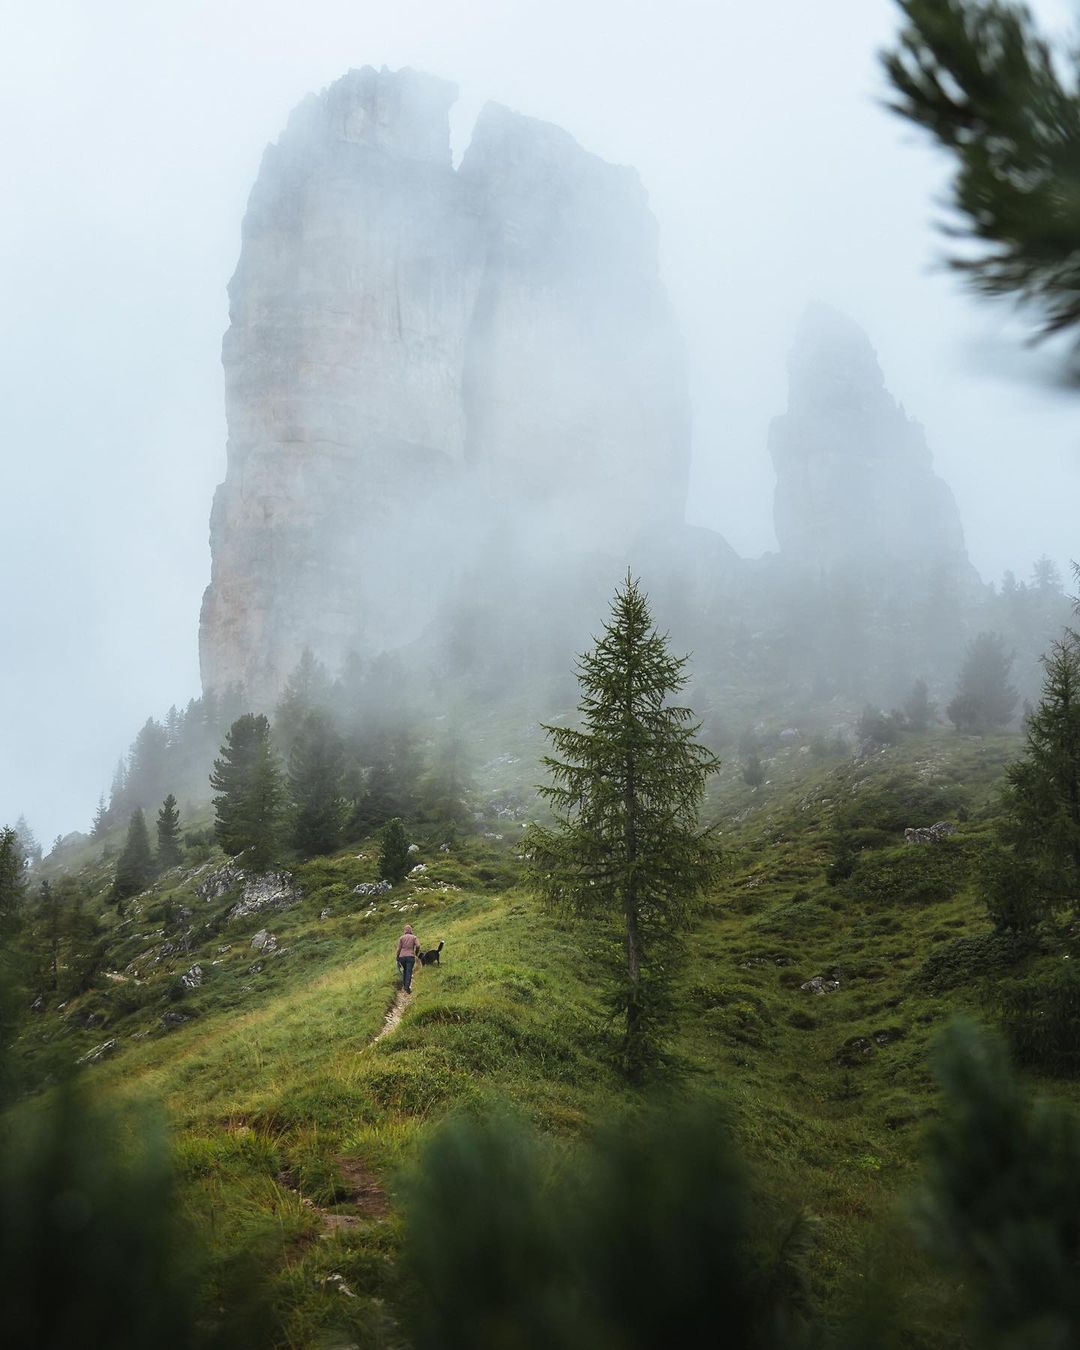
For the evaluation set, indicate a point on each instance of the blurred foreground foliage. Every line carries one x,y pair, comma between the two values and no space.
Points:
658,1235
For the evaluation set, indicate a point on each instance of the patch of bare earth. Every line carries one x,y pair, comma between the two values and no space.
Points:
364,1194
393,1017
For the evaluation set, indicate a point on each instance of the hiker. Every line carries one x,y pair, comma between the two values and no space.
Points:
407,948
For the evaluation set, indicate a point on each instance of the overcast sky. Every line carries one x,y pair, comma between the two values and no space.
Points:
132,134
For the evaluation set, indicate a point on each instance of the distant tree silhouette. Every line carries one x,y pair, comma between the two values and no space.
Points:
247,779
135,866
307,690
168,834
919,713
984,699
100,825
148,766
315,781
1036,867
394,857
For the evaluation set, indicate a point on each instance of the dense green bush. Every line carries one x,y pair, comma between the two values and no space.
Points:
900,802
1040,1014
966,959
911,875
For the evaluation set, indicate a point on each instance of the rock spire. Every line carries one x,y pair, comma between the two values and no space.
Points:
854,480
415,353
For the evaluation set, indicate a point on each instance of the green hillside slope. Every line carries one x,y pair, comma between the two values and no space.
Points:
296,1122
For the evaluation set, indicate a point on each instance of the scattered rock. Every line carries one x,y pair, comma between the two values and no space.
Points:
256,969
193,978
418,870
337,1282
38,1004
324,913
224,949
89,1019
444,848
173,1019
772,959
822,984
373,888
414,848
270,892
264,941
99,1052
855,1048
140,1035
226,878
932,835
790,736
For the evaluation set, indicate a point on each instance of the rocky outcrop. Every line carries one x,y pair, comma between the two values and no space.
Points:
415,353
855,484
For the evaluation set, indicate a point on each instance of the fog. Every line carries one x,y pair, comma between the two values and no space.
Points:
134,134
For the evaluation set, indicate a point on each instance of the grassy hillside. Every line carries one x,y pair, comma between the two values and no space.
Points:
295,1124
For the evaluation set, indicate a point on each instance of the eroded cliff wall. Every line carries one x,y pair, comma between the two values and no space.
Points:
855,485
417,354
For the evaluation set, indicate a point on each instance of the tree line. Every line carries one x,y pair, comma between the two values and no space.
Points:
336,760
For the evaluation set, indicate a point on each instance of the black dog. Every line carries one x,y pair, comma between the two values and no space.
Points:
431,958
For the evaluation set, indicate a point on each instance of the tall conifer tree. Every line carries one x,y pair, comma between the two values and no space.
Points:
1039,870
135,866
984,699
626,790
316,776
394,856
247,780
168,833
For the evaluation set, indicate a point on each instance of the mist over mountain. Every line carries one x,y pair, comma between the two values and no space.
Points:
420,358
449,386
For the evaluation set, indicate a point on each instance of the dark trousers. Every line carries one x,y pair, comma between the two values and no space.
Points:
406,964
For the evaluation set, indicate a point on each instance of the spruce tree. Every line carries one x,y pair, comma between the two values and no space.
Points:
307,690
1038,868
12,884
984,700
394,857
919,712
48,917
626,789
168,834
119,798
248,783
147,771
28,842
1001,1198
447,786
982,80
135,867
100,826
316,776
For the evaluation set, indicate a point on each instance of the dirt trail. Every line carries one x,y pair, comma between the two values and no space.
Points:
393,1017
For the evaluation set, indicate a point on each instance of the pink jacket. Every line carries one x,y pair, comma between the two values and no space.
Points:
408,944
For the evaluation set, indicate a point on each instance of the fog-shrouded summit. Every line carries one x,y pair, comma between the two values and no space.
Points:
854,478
416,355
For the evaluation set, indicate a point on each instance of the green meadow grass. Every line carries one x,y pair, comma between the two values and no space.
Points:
295,1130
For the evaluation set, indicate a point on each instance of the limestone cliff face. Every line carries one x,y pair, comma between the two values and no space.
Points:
575,384
855,484
415,352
